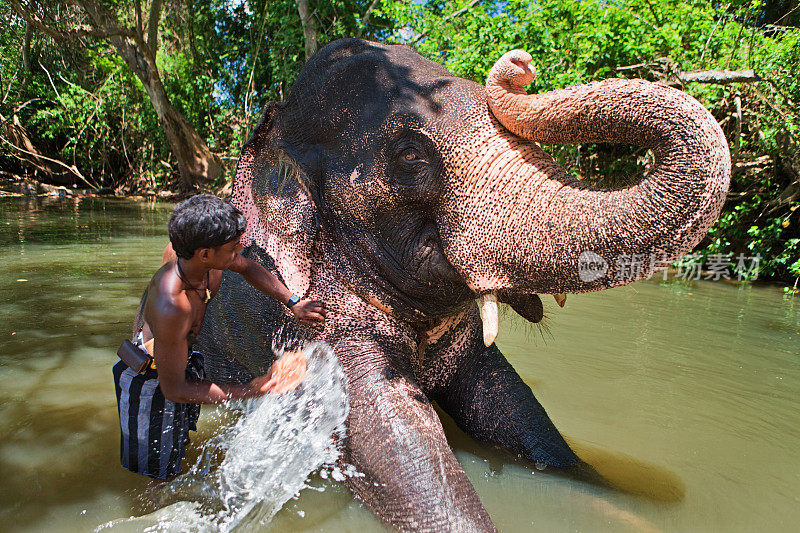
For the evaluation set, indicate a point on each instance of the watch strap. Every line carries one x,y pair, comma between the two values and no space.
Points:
293,299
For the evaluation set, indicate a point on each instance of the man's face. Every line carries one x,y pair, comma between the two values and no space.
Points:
223,256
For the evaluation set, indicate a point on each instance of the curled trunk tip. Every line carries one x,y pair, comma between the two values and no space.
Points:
513,71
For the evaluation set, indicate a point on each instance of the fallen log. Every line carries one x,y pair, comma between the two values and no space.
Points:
720,77
53,169
758,165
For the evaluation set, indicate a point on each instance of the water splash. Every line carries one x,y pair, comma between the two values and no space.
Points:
267,455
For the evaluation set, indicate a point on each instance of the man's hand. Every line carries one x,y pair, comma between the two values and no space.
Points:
285,374
288,371
310,312
261,385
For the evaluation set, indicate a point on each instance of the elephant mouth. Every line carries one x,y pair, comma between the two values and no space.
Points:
528,306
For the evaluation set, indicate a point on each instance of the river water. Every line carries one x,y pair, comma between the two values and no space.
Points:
686,395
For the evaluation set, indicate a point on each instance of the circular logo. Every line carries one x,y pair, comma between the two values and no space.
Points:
591,266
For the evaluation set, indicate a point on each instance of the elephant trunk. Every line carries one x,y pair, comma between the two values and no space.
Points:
560,235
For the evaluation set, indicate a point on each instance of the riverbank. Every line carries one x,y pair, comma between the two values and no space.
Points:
12,185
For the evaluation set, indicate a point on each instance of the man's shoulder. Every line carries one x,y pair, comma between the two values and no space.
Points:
163,302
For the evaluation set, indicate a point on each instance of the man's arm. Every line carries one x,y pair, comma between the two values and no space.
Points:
260,278
171,352
308,312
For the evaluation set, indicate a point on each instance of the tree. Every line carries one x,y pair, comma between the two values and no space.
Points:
309,28
138,47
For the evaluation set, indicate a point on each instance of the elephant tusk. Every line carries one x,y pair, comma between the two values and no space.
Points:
489,315
561,299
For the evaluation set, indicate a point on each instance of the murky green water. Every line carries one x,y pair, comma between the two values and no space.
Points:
687,395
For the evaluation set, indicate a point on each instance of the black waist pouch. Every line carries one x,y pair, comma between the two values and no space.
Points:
137,359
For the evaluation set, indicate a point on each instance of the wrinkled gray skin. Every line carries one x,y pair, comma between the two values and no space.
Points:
398,194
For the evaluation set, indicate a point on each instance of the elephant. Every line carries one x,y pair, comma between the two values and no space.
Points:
400,194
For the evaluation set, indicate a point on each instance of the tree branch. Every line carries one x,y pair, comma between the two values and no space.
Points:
720,77
137,8
758,164
152,27
653,12
250,86
737,131
633,67
667,68
53,85
785,96
18,109
448,17
131,46
79,31
775,108
10,83
710,35
365,18
787,14
71,168
644,20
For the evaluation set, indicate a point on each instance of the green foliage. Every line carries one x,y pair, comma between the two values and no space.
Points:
89,110
221,61
771,237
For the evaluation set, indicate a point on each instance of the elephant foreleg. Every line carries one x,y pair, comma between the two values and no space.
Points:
489,401
411,479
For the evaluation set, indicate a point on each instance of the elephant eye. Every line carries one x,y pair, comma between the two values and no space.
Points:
410,155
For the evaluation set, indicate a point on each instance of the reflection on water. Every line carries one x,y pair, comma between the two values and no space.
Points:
686,397
70,277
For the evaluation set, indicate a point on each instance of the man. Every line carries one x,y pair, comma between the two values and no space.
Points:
158,407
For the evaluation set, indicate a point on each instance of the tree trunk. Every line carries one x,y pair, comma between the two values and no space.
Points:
196,162
309,28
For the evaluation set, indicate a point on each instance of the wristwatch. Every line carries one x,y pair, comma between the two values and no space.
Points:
293,299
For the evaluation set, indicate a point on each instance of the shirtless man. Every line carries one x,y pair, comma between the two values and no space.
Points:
158,407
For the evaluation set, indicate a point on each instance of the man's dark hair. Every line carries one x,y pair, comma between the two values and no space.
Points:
203,221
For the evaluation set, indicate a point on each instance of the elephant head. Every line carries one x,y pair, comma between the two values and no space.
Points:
399,193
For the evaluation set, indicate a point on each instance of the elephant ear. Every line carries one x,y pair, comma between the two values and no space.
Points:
280,214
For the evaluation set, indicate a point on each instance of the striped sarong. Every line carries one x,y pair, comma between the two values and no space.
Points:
154,430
